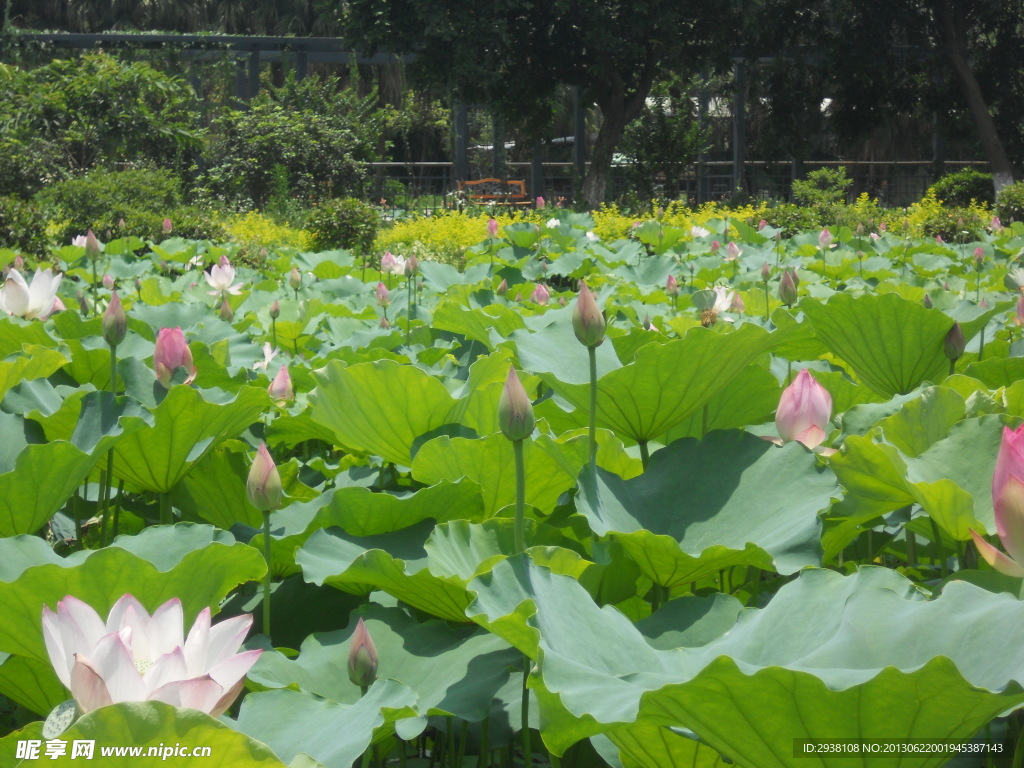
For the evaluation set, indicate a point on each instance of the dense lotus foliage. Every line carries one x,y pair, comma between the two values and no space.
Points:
711,505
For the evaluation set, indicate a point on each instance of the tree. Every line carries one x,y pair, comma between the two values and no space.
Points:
513,54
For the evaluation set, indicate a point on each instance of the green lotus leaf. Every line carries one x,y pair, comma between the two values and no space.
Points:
16,333
923,421
43,478
801,667
31,682
669,382
37,362
653,746
380,408
555,350
185,427
153,725
477,324
998,371
195,563
730,499
452,670
750,398
898,343
293,723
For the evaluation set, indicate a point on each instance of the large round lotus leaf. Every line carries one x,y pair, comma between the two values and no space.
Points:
153,725
476,324
668,382
380,408
37,362
31,682
15,333
195,563
43,478
703,505
750,398
452,671
890,343
802,667
185,426
555,349
333,734
652,746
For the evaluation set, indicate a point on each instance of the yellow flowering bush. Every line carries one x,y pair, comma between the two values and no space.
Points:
444,237
255,230
929,217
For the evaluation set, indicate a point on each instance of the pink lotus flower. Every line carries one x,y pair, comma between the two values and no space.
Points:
804,410
171,353
221,276
33,302
137,657
540,202
281,387
824,239
492,227
108,281
587,321
540,294
394,265
715,245
1008,499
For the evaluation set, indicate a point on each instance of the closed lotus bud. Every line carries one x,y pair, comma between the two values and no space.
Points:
733,252
927,301
19,263
540,294
92,246
383,297
384,324
168,227
121,224
766,272
515,411
996,224
519,297
108,281
672,286
83,305
362,658
587,321
115,324
138,285
979,259
264,484
503,287
738,305
715,245
226,313
804,411
761,224
955,342
492,227
411,265
170,353
275,310
295,278
1019,317
540,202
281,387
787,288
824,238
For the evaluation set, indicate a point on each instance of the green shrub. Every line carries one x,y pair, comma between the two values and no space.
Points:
190,222
22,226
346,223
953,224
957,190
1010,203
822,188
792,218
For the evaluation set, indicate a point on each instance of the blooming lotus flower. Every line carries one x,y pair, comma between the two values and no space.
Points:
732,252
221,276
33,302
170,353
552,224
540,294
281,387
137,657
804,410
269,353
592,236
263,485
587,321
724,299
696,231
362,657
391,264
78,241
1008,500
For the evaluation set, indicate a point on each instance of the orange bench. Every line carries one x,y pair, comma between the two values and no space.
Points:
496,191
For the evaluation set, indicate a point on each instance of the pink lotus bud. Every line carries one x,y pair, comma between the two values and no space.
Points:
412,264
979,259
1008,500
108,281
492,227
1019,317
737,304
787,287
587,321
92,245
996,224
761,225
275,310
540,202
927,301
804,410
515,411
121,224
281,387
264,484
955,343
882,227
384,324
824,238
766,272
168,226
672,286
170,353
295,278
732,252
362,657
938,239
226,313
519,297
115,324
540,294
502,287
383,297
561,301
715,245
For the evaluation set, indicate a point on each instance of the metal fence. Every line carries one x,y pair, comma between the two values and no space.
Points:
426,187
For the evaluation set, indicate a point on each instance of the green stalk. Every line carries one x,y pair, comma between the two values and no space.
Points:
95,292
519,526
766,301
165,509
363,758
273,332
409,311
940,554
525,715
644,455
463,734
117,510
592,351
266,576
981,343
911,548
485,737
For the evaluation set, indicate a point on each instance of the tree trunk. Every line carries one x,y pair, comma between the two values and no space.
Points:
617,110
952,26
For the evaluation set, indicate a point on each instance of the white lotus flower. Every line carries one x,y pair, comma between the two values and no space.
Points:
138,657
221,276
36,301
696,231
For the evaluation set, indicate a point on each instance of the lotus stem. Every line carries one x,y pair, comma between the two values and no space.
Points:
519,526
644,455
117,510
525,715
463,734
485,737
981,343
911,548
273,332
165,509
766,303
592,351
266,576
940,554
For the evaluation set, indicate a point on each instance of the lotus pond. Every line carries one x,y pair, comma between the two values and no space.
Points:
690,551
